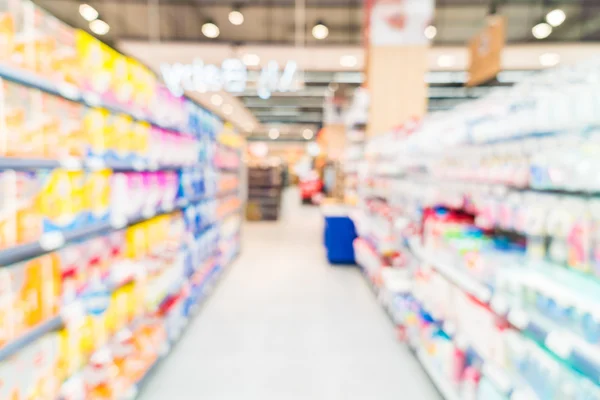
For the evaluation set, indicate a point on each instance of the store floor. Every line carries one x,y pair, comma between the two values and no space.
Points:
284,325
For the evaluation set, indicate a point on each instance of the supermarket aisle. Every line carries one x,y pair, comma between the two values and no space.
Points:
285,325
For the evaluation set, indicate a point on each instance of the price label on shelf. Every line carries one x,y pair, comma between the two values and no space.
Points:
500,378
138,165
71,163
499,305
52,240
148,212
519,318
92,99
68,91
118,221
559,343
96,164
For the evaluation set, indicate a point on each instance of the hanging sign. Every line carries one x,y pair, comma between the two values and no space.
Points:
231,76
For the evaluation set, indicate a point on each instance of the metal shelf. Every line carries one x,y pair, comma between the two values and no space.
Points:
73,93
562,343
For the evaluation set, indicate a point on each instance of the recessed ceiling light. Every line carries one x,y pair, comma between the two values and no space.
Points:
307,134
227,109
430,32
556,17
251,60
216,99
549,59
236,17
313,149
210,30
88,12
446,61
348,61
320,31
273,133
99,27
541,30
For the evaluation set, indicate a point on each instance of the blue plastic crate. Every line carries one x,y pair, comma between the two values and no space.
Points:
338,237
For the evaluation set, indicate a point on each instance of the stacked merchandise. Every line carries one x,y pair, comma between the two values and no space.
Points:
114,217
264,191
355,122
497,202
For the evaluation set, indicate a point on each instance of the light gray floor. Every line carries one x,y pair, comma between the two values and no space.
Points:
284,325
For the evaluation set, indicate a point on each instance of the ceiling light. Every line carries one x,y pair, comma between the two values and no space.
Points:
259,149
430,32
210,30
446,61
320,31
88,12
313,149
348,61
236,17
227,109
216,99
273,133
307,134
251,60
541,30
556,17
549,59
99,27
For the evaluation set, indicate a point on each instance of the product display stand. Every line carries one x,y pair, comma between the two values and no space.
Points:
264,192
119,208
489,212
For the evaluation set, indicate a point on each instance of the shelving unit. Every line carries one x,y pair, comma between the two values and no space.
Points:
264,193
117,215
491,212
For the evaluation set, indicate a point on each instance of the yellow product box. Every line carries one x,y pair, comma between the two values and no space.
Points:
136,242
95,127
22,133
7,36
21,219
62,200
96,194
93,57
120,128
139,141
121,85
32,372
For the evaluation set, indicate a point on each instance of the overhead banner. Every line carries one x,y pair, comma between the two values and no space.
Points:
399,22
485,51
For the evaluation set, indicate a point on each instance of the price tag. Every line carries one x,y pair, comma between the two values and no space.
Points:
92,99
96,164
71,163
499,305
73,315
560,344
500,378
148,212
518,318
164,349
118,221
449,328
68,91
168,207
132,393
52,241
138,165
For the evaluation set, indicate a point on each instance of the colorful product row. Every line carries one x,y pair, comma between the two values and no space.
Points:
40,125
33,203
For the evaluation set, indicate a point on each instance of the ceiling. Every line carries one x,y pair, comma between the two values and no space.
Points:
140,27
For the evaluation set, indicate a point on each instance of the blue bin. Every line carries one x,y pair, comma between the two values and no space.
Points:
339,235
